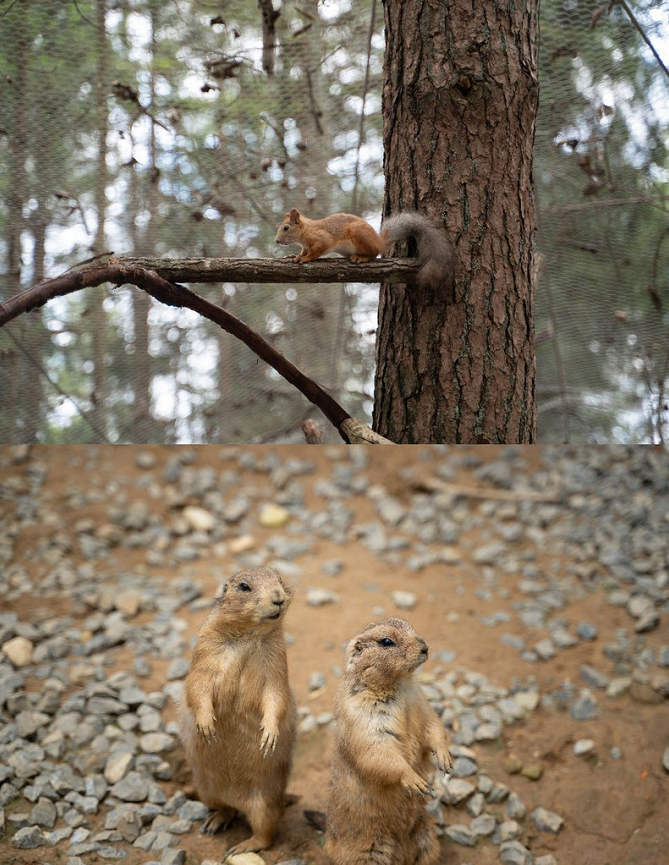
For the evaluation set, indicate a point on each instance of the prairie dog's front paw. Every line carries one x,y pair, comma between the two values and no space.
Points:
206,728
416,786
270,736
443,759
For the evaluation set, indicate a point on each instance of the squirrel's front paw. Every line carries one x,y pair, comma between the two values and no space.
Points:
206,727
270,736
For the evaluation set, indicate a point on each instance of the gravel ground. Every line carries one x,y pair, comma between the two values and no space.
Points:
539,576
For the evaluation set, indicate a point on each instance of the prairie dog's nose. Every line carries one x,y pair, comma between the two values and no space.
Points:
278,596
423,647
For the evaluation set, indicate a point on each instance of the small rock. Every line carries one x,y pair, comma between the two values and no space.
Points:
533,771
19,650
117,765
170,856
461,834
28,838
527,700
514,853
515,807
643,692
586,631
593,677
273,516
583,747
647,621
463,767
638,605
545,649
133,788
584,708
241,544
509,830
128,602
547,821
512,764
618,687
245,859
318,597
44,813
548,859
404,600
199,519
483,825
316,681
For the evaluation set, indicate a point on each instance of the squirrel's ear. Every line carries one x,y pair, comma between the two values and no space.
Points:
295,216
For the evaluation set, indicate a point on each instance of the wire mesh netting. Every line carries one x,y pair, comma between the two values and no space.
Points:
189,128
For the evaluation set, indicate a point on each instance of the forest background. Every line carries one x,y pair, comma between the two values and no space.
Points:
154,128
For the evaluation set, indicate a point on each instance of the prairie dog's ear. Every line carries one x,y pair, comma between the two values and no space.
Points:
289,590
286,218
223,590
295,216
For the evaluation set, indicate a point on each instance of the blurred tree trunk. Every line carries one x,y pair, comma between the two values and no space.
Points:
18,144
33,334
459,102
143,429
96,317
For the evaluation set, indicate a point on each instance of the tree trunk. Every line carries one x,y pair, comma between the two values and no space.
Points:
97,316
459,103
10,360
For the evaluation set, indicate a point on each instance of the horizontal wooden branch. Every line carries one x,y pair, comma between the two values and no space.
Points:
269,270
177,295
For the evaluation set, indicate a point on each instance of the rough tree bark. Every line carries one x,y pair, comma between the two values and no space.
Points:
460,98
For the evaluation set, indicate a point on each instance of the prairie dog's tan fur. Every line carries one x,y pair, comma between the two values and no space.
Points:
238,715
384,735
354,238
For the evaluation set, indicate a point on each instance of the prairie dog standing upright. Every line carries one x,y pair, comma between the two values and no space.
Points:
384,735
238,715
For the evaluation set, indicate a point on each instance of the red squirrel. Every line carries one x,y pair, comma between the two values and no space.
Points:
354,238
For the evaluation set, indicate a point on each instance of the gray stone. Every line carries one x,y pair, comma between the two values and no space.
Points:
133,788
548,859
193,810
545,649
456,790
509,830
404,600
170,856
460,833
586,631
647,621
515,807
463,767
156,743
547,821
316,681
44,813
319,597
117,765
514,853
584,708
483,825
28,838
178,669
593,677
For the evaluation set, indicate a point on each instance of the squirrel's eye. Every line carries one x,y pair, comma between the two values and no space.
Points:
244,587
386,641
285,228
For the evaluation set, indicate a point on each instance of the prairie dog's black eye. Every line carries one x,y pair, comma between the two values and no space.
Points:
285,228
386,642
244,587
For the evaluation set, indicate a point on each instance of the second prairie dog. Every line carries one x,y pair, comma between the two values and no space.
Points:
238,716
385,734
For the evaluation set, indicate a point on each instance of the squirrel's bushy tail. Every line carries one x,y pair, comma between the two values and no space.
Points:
435,250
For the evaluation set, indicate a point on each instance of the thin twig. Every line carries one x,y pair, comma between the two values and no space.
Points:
645,38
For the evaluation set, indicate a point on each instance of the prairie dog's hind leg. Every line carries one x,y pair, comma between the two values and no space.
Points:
218,820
